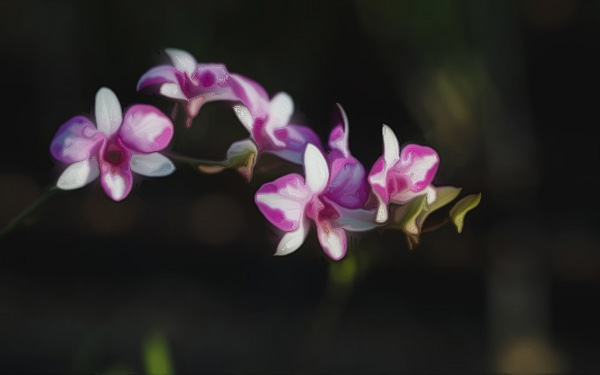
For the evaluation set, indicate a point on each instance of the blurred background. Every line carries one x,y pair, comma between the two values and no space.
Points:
180,277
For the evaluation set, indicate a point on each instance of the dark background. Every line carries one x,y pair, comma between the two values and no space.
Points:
505,91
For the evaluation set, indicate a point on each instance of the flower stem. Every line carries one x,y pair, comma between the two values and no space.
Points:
194,162
28,210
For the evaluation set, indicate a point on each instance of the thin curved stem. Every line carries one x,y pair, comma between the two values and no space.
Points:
194,162
28,210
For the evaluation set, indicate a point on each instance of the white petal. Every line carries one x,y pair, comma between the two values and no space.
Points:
182,61
407,196
315,169
280,110
291,241
391,148
382,211
109,115
116,184
152,165
79,174
244,115
171,90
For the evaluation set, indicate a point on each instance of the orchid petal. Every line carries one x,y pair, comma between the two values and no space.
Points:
354,220
408,195
281,109
244,115
338,139
75,140
292,241
315,169
348,183
79,174
146,129
295,138
332,240
283,201
182,61
391,148
251,94
108,111
173,91
419,164
117,183
152,165
378,181
159,75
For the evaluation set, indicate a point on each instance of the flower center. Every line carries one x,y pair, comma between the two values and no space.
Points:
114,154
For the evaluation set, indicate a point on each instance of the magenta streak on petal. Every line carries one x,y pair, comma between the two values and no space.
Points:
331,238
397,182
76,140
282,201
277,218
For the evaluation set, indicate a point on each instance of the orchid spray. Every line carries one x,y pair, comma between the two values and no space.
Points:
335,194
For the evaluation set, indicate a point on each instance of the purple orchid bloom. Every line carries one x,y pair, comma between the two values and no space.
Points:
398,177
348,187
289,201
269,127
113,148
194,84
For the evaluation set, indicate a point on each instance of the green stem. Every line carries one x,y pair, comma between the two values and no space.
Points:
28,210
194,162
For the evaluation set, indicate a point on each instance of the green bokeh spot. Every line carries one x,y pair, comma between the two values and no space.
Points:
343,272
156,355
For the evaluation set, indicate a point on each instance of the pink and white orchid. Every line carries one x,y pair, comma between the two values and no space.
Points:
289,201
113,148
194,84
269,127
398,177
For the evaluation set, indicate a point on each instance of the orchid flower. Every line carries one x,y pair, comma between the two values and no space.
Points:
398,177
268,125
194,84
114,147
289,201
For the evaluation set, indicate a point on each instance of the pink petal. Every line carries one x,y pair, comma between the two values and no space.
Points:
408,195
158,76
378,180
75,140
251,94
295,139
146,129
348,184
283,201
338,138
115,169
332,239
281,109
419,164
